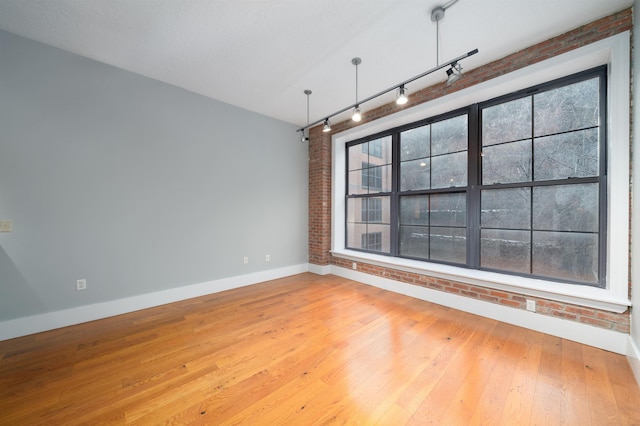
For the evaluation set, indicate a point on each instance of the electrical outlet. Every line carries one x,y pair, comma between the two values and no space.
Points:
354,265
245,260
5,226
81,284
267,257
531,305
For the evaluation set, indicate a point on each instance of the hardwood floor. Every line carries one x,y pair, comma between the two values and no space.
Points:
309,350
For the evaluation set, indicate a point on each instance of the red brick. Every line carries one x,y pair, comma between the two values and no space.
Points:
580,311
499,294
511,303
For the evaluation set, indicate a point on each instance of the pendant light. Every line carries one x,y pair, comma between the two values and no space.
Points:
304,137
401,95
356,116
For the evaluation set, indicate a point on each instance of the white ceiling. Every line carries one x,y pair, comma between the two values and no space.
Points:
262,54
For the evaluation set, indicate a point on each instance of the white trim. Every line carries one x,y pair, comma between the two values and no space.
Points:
633,355
613,51
609,340
52,320
320,270
634,338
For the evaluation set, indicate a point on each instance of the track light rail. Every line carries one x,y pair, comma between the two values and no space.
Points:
394,87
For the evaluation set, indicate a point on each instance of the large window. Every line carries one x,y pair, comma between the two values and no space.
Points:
516,185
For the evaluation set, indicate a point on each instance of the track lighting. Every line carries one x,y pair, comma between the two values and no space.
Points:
401,95
454,73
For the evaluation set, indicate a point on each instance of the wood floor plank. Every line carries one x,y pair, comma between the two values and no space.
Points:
308,350
518,406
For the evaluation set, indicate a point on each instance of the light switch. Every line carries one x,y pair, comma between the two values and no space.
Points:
5,226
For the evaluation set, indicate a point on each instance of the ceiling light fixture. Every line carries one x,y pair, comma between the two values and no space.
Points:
306,138
453,74
356,116
327,126
401,95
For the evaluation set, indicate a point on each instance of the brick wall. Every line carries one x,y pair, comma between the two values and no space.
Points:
320,178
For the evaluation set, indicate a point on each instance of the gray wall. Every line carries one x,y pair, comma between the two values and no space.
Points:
635,161
133,184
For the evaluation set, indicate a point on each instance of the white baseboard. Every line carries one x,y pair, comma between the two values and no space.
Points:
582,333
633,355
52,320
320,270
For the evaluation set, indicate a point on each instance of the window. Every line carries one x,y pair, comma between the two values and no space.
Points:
541,182
369,210
514,185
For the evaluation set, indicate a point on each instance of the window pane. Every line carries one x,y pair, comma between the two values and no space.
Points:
415,174
571,107
357,183
449,209
573,154
510,121
415,143
506,208
449,170
414,210
449,135
448,244
372,210
566,255
355,209
507,163
371,241
358,154
379,178
354,234
379,151
370,179
566,208
414,241
505,250
385,236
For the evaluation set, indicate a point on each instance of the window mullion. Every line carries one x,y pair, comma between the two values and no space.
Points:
473,188
394,197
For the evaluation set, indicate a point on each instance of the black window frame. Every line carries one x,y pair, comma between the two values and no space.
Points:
474,182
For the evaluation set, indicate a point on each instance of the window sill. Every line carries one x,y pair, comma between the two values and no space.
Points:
597,298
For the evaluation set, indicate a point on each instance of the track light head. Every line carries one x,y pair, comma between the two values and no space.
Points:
454,73
401,95
327,126
356,116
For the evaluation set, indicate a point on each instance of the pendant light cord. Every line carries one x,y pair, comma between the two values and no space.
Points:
438,42
356,83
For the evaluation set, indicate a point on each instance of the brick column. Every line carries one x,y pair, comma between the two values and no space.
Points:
319,196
